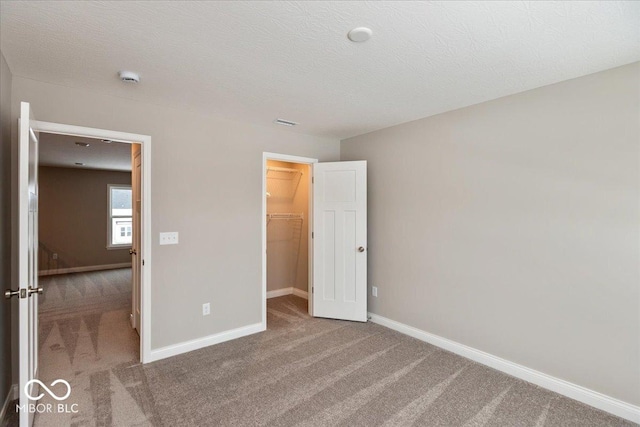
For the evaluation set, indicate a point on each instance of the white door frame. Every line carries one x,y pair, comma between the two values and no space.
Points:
292,159
145,256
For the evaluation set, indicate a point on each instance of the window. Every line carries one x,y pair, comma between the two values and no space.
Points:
119,220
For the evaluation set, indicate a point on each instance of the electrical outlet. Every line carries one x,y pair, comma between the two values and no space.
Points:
54,256
206,309
169,238
374,291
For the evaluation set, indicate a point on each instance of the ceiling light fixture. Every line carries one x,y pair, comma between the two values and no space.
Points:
360,34
82,144
285,122
129,77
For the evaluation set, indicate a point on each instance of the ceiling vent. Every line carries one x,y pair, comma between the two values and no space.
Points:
284,122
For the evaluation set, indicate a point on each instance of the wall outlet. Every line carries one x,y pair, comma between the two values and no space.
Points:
54,256
169,238
206,309
374,291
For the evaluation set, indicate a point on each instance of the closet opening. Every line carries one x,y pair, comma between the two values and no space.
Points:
287,239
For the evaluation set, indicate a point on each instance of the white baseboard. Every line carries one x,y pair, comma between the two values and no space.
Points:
593,398
279,292
83,269
187,346
12,394
300,293
287,291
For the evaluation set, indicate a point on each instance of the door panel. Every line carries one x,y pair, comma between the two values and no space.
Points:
27,259
136,192
340,240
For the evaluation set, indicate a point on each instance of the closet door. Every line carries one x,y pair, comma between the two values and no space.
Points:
340,240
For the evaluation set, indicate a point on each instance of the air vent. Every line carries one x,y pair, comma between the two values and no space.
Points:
284,122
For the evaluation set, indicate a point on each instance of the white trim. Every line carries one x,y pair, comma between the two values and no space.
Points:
187,346
12,395
288,291
263,224
279,292
145,251
300,293
83,269
590,397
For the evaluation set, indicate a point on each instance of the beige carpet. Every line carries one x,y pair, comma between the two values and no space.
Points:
86,339
301,371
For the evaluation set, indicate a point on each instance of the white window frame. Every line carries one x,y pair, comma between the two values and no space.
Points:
110,217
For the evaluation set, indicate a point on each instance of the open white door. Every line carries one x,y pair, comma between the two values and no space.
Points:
340,240
136,176
27,261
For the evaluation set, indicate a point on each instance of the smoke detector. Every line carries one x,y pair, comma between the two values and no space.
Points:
129,77
360,34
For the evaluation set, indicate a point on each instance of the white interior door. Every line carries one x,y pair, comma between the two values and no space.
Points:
136,174
340,240
27,260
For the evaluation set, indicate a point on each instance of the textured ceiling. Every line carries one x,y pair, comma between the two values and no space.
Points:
255,61
62,151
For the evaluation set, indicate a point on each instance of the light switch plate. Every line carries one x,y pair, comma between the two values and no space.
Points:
170,238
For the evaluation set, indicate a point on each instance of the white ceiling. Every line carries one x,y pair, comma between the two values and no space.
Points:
255,61
62,151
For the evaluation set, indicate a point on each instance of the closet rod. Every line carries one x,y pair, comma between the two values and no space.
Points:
285,216
277,169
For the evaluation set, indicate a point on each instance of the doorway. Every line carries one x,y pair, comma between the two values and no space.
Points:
86,238
139,252
287,229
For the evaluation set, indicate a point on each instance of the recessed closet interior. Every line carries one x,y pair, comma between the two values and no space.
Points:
287,228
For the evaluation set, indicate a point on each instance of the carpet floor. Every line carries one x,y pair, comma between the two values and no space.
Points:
302,371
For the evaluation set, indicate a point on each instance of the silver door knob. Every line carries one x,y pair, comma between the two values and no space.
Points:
9,293
133,252
361,249
38,291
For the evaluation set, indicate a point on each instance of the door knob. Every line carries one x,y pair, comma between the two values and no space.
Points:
361,249
38,291
9,293
133,252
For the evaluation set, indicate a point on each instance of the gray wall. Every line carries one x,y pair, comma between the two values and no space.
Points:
207,185
512,227
5,227
73,217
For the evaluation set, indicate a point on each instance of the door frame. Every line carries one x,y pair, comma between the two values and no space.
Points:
145,258
292,159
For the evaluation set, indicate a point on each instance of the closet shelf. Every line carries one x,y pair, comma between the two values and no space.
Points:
278,169
285,216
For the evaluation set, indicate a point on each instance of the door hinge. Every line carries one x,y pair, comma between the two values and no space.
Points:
313,180
142,262
312,234
313,290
